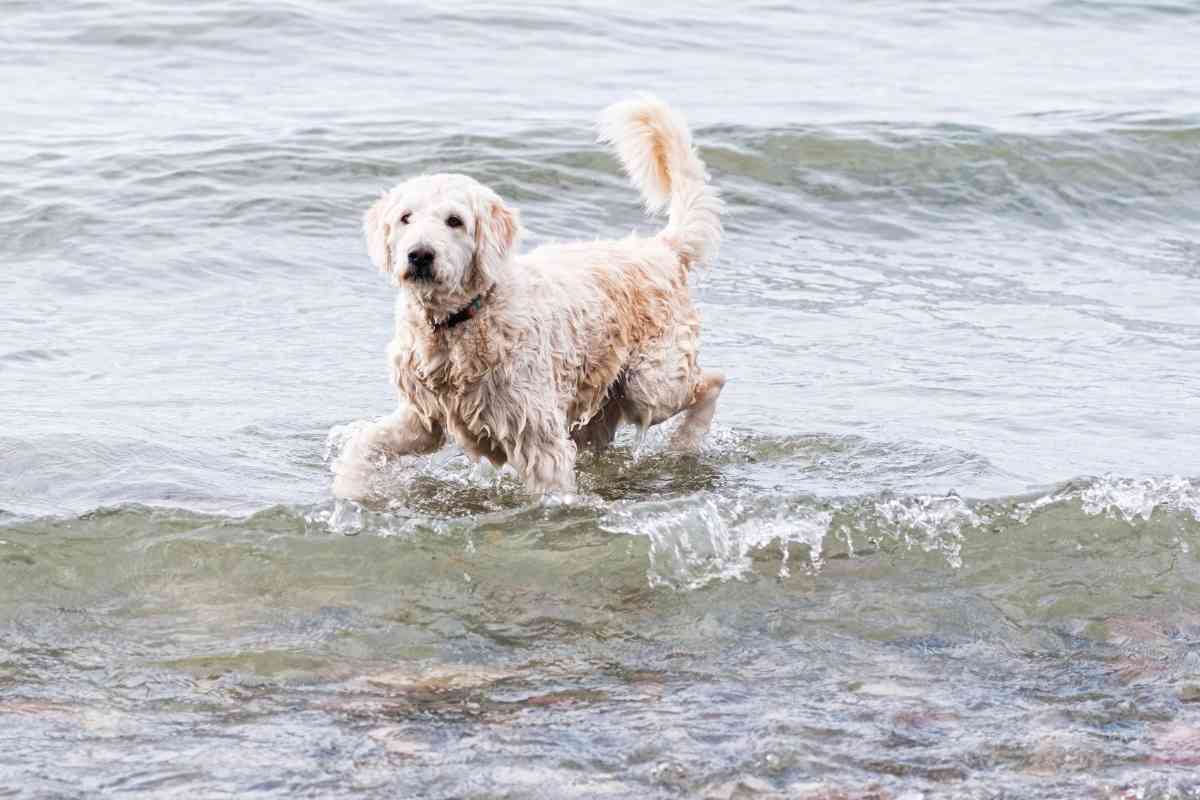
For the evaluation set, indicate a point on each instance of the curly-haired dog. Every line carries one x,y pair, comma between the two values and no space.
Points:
523,358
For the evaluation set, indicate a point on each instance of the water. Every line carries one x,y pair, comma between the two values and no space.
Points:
942,542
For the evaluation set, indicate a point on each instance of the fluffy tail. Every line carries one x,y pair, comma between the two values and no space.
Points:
655,147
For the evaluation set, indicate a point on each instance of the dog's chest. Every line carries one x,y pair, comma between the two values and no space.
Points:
450,382
486,392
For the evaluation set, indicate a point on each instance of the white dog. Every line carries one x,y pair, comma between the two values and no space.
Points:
523,358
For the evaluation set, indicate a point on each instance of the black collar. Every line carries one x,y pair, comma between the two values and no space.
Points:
462,315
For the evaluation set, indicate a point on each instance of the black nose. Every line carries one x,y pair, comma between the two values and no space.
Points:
420,262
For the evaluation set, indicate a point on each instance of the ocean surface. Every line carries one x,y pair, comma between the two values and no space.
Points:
943,542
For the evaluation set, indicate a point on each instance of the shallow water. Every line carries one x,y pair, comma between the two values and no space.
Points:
941,543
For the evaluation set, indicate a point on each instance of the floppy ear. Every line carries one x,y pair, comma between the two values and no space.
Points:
497,230
378,233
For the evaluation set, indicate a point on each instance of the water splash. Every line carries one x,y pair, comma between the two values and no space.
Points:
697,540
1131,499
1127,499
931,523
715,533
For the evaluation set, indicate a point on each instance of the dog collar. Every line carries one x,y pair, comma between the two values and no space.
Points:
462,315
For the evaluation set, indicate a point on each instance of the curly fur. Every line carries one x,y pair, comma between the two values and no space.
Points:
570,339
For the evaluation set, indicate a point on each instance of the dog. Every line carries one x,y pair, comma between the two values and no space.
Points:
522,359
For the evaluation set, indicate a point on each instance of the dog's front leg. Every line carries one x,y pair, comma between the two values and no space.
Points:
546,459
402,432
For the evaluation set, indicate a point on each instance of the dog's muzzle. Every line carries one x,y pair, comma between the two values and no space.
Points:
420,265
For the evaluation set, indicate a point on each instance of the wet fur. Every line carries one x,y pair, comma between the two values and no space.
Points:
570,339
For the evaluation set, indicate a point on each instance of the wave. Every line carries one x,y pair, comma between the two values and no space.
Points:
1110,168
314,181
693,540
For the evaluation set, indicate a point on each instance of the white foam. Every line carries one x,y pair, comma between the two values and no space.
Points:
1137,498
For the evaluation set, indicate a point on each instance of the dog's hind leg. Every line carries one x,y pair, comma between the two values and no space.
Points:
698,416
665,381
599,431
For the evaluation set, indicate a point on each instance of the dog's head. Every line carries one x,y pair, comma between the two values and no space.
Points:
444,238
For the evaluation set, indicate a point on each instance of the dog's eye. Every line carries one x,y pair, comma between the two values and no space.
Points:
404,219
454,221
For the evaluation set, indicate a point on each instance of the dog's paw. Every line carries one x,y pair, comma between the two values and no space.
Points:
353,459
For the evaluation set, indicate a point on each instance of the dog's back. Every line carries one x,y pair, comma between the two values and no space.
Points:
641,281
617,313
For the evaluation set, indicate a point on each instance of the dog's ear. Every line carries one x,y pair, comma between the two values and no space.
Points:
497,231
378,233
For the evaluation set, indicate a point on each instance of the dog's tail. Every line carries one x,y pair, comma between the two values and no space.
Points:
655,147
